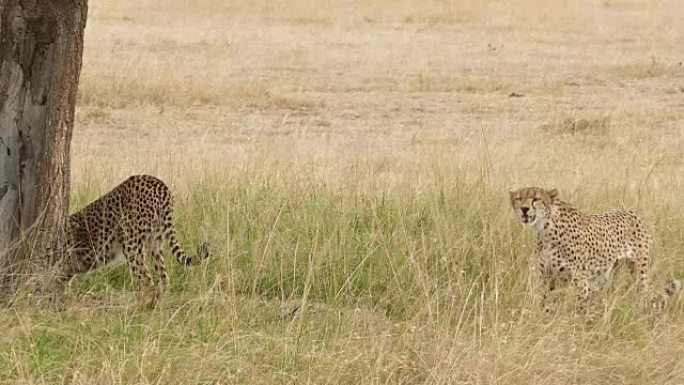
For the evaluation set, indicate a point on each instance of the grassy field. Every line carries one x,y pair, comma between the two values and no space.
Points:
352,160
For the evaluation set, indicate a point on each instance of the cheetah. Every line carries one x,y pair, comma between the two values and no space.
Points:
584,248
134,215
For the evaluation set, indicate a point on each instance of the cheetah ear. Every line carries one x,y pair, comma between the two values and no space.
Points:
553,194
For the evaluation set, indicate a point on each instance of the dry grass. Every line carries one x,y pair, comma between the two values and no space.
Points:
353,158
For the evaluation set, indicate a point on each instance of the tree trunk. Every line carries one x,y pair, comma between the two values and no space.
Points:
41,44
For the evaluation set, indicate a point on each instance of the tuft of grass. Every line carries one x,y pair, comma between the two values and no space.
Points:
653,69
426,82
580,126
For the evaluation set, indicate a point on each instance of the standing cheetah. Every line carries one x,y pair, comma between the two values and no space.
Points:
585,248
136,214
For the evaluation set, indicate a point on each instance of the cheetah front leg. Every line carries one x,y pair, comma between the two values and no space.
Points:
546,275
583,285
550,283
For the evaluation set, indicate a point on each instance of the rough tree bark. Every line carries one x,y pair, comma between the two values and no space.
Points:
41,45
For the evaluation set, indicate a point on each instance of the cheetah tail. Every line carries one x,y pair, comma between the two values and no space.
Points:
181,256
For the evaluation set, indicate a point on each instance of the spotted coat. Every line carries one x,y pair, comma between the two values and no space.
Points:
585,248
134,216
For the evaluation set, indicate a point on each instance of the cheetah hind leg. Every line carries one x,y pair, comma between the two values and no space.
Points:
673,287
641,268
203,251
657,297
135,256
668,290
162,278
584,288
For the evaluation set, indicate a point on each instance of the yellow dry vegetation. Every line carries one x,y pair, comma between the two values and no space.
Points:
353,159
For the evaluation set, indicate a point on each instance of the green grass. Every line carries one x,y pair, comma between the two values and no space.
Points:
392,288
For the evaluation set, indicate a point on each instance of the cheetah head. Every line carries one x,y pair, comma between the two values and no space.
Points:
533,203
76,245
64,267
73,232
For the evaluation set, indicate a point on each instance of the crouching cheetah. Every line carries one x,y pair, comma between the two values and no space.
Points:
586,248
136,214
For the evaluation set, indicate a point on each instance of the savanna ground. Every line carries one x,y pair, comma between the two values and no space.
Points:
353,158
